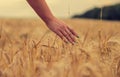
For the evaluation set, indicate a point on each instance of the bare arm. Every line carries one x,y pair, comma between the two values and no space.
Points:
41,9
56,25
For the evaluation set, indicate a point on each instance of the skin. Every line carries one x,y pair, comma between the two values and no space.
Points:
57,26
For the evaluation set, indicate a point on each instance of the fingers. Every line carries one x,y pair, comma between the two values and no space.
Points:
67,37
67,34
73,32
70,34
61,36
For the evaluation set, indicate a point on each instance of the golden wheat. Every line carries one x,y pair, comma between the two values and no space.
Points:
29,49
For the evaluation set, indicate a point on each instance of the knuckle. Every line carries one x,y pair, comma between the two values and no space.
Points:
69,38
65,34
57,33
70,34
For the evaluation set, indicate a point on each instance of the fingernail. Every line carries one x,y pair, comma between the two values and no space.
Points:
66,42
78,37
73,43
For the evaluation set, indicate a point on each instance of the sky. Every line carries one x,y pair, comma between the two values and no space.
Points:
60,8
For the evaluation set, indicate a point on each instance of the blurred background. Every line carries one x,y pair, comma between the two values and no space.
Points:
63,9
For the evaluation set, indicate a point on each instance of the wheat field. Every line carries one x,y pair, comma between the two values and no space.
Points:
29,49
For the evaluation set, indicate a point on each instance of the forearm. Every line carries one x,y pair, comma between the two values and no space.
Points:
42,9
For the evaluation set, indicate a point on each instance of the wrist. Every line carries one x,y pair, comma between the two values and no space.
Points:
48,19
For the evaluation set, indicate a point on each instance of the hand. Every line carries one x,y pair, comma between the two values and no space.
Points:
62,30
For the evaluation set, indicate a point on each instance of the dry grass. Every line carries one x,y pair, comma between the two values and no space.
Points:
29,49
